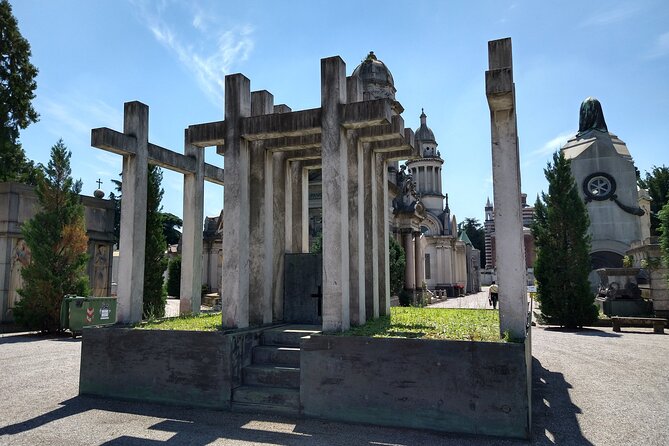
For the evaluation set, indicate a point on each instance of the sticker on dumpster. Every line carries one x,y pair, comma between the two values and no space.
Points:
89,314
104,311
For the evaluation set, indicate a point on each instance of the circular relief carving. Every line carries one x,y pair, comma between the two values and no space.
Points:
599,186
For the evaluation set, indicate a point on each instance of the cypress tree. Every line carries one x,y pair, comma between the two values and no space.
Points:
397,264
155,260
562,242
663,230
17,86
56,237
174,277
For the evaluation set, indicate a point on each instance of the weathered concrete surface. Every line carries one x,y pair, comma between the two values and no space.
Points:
188,368
453,386
510,249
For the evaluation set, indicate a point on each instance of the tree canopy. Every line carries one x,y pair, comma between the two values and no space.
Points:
657,183
17,86
476,234
562,242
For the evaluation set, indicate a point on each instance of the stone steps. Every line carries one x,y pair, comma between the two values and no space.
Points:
271,384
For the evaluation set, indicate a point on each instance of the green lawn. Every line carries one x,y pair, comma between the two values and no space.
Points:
201,322
433,323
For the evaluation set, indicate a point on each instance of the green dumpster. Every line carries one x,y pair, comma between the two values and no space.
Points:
77,312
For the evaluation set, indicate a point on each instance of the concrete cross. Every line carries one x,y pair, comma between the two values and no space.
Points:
137,153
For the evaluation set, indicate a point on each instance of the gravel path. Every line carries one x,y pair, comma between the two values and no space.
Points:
590,387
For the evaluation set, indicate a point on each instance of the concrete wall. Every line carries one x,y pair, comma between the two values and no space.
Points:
194,369
453,386
18,204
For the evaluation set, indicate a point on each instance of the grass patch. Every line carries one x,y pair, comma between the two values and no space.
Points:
200,322
433,323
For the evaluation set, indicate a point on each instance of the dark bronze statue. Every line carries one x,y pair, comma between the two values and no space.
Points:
591,117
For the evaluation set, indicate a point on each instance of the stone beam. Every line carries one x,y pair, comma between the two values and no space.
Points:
207,134
304,122
290,143
510,250
382,132
358,115
126,145
303,155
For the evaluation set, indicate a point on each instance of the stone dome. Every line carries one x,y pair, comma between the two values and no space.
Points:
377,81
424,133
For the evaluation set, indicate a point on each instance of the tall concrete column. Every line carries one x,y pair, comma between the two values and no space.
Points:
235,296
304,225
279,170
335,197
260,213
356,229
132,243
191,237
296,189
510,250
410,268
371,238
383,258
420,260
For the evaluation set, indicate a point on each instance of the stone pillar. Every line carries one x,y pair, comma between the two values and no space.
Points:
296,188
235,295
383,257
191,237
420,260
279,170
260,213
356,211
304,225
371,238
335,197
510,250
410,268
132,243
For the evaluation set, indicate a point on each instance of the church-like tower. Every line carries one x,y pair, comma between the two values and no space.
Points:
426,170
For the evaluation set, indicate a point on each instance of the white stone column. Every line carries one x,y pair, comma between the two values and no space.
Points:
279,175
235,295
260,213
510,250
410,267
420,260
191,237
335,197
132,243
371,237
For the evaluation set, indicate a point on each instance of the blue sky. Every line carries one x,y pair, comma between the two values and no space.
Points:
95,55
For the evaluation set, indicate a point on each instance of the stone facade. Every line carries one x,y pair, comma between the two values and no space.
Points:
18,204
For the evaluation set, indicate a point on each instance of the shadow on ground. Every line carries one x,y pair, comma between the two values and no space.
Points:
554,419
584,332
554,423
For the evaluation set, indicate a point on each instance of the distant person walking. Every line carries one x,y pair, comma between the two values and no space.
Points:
493,295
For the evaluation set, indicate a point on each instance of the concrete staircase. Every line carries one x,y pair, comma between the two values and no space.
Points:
272,382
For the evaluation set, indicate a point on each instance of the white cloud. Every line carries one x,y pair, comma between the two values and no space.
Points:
552,144
215,53
615,15
660,47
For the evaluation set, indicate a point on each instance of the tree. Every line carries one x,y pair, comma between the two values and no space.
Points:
170,224
561,237
174,277
56,237
17,86
657,183
155,260
397,265
476,234
664,234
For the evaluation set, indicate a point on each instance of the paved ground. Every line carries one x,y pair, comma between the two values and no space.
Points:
590,387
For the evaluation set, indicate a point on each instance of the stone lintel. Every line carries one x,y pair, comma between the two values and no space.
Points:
303,155
363,114
207,134
171,160
383,132
291,143
112,141
282,108
276,125
214,174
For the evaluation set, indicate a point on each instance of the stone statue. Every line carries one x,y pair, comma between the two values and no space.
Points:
591,117
407,198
